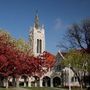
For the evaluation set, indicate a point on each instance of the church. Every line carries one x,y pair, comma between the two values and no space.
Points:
55,76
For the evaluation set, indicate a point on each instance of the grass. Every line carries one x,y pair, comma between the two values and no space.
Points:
48,88
37,88
44,88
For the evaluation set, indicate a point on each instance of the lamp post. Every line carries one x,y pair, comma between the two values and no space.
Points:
69,78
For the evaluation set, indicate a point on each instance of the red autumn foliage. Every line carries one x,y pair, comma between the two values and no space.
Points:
48,59
17,63
14,62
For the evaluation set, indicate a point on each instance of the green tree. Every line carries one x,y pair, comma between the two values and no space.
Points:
80,63
22,46
5,37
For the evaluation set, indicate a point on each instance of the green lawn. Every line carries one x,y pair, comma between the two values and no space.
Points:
36,88
45,88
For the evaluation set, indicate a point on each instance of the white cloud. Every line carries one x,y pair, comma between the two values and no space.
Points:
58,24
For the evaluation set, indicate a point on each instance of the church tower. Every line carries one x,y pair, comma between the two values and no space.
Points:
37,37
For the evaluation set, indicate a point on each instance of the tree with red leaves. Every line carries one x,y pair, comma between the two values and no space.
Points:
47,59
15,62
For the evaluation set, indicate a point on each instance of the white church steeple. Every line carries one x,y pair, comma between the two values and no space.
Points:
36,22
37,37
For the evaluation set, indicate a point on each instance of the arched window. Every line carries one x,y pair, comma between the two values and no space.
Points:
46,81
39,46
56,81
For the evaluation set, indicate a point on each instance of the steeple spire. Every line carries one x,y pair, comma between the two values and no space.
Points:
36,23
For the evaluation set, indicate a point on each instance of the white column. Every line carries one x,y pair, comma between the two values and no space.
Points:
51,82
6,82
29,82
41,82
24,84
17,82
35,84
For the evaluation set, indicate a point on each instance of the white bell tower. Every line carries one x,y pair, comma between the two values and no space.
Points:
37,37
